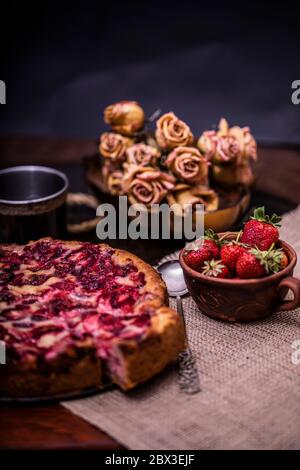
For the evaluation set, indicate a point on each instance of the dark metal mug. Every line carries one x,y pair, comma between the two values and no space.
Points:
33,204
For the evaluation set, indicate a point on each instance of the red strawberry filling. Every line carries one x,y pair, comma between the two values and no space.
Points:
80,292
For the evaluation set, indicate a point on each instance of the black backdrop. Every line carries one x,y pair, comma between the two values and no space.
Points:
64,61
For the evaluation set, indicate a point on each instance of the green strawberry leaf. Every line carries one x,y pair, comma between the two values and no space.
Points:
260,215
209,234
270,259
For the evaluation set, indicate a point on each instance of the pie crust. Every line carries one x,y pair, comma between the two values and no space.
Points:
74,314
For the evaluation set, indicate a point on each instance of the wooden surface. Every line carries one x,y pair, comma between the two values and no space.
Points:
52,426
48,427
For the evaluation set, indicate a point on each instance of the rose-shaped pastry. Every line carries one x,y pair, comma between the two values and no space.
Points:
228,149
114,182
247,143
250,144
207,144
188,165
143,155
246,140
146,185
223,127
114,146
186,194
126,117
171,132
112,175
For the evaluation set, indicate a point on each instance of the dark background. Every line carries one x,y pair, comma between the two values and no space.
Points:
63,62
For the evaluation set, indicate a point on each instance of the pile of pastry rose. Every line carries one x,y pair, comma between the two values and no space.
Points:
168,163
253,254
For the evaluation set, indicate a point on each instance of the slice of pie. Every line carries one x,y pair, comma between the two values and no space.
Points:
73,314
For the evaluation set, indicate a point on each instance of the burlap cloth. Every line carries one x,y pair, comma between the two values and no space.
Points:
250,396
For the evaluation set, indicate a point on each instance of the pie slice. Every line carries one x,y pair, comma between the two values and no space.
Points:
74,313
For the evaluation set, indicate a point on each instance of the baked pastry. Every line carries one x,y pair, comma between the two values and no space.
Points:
73,313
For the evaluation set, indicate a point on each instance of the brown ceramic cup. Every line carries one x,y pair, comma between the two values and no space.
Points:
244,300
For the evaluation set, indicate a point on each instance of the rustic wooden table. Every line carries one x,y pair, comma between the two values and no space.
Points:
52,426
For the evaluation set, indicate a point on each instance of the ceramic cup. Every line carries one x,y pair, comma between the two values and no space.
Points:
244,300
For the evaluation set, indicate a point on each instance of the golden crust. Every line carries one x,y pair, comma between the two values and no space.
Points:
140,361
132,361
154,283
75,370
164,340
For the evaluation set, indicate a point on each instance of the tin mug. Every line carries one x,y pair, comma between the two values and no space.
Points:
33,202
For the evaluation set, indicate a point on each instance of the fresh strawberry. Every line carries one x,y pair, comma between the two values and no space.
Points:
230,252
212,241
249,265
284,261
257,263
202,250
214,268
278,260
196,258
261,231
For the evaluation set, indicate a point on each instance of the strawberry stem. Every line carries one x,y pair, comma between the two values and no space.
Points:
209,234
260,215
270,259
239,236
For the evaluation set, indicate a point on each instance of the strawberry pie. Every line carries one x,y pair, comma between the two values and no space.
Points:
73,314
